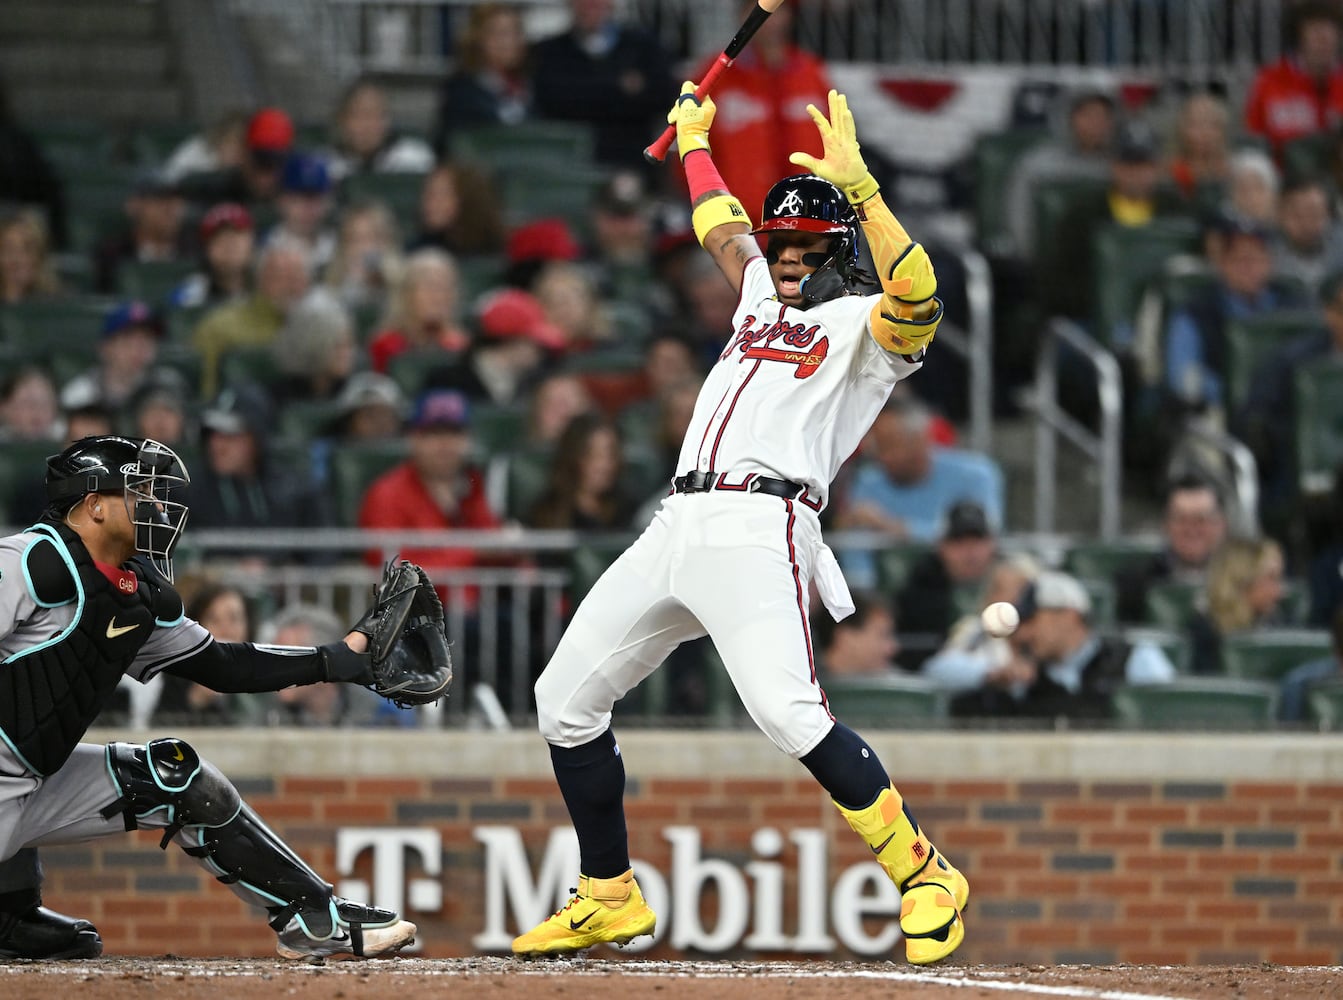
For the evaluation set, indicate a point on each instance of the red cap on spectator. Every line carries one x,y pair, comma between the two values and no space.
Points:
545,239
227,215
513,313
270,130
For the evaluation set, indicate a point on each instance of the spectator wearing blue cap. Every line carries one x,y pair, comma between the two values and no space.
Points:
305,205
128,350
155,230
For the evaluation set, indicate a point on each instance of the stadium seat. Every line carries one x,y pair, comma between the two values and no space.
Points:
893,701
504,147
353,467
479,273
411,369
21,469
1172,605
400,192
181,322
65,324
1104,601
1324,702
1127,259
995,158
307,419
153,143
528,472
498,428
1197,703
1319,425
1268,654
1100,560
249,364
1051,202
153,281
547,190
95,202
609,359
1308,156
894,563
70,146
1249,339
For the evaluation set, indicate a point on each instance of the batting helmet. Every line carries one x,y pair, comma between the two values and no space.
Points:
810,204
144,472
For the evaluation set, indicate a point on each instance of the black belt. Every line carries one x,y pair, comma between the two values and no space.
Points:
703,482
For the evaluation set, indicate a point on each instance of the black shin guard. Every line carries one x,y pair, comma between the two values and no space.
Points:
592,780
847,768
167,777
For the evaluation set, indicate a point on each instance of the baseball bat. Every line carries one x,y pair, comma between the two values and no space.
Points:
763,9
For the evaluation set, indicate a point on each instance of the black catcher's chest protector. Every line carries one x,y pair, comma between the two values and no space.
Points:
51,693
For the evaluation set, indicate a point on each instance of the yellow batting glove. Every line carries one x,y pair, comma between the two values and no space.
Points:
692,119
842,163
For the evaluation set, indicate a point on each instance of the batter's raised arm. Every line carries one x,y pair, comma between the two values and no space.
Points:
907,317
720,221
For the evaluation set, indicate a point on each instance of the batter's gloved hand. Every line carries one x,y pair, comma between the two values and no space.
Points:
407,637
842,163
692,119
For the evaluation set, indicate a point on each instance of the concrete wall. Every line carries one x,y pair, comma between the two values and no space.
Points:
1079,847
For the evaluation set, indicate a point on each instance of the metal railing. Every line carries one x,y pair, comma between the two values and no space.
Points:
1103,447
1190,39
975,344
1244,473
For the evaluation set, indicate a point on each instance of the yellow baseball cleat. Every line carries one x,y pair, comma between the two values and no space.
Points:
601,910
933,894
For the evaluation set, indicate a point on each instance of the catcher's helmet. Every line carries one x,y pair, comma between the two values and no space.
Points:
143,472
810,204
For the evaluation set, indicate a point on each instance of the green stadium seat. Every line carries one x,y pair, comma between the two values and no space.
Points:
249,364
498,428
894,701
1250,340
400,192
55,325
505,147
630,323
480,273
411,369
95,202
995,158
307,419
1099,560
546,190
367,319
528,473
1197,703
1268,654
1172,605
1325,704
353,467
894,563
21,465
609,359
153,281
1051,203
181,322
1104,601
1308,155
153,143
1319,425
71,146
183,359
1127,259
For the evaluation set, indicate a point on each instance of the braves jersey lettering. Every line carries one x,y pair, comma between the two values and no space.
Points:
793,392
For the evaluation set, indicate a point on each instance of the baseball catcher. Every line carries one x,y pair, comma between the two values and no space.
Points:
86,595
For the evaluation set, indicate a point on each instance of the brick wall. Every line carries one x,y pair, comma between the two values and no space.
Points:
1061,870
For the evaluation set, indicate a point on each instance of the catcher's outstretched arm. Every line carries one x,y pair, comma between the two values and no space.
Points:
245,667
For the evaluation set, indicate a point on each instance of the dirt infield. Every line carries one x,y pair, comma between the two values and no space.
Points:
606,979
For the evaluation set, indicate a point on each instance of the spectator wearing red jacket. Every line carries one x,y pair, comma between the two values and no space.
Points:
435,489
1302,93
762,110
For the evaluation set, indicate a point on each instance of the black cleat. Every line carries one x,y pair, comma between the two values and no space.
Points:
40,933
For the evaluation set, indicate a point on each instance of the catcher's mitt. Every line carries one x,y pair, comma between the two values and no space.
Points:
407,640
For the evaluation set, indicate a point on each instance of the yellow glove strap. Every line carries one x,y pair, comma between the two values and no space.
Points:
717,211
861,191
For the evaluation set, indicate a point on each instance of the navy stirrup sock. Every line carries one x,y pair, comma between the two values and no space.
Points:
592,780
847,768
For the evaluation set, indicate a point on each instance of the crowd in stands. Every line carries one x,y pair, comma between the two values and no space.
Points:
501,317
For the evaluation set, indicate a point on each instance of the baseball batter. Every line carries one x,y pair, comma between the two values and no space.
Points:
85,597
815,349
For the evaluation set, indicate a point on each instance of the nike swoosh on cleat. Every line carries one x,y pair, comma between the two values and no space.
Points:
882,846
575,924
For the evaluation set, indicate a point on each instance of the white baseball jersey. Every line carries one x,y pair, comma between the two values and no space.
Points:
793,392
791,396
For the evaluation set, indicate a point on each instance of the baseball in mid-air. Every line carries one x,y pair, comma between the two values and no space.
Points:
1000,619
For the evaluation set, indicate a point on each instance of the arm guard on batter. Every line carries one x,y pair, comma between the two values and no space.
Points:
907,316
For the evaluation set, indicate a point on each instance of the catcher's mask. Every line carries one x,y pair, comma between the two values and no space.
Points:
810,204
144,472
